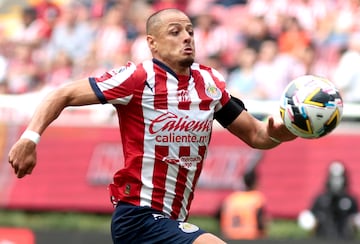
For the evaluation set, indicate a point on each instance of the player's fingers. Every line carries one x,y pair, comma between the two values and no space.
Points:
21,172
10,159
15,167
271,122
30,169
26,169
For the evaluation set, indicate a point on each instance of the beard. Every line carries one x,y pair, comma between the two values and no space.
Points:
187,62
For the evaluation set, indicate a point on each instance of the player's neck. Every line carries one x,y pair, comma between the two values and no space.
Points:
176,71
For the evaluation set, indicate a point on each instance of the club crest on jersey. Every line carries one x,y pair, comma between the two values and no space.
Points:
213,92
183,96
187,227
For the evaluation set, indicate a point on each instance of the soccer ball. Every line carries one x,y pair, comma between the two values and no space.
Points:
311,106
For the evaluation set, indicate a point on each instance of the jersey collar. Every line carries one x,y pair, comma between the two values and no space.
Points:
166,68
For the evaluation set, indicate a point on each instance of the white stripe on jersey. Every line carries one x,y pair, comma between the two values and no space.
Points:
173,170
189,183
149,150
193,93
148,66
146,172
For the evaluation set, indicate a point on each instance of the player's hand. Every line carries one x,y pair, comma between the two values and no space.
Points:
278,130
22,157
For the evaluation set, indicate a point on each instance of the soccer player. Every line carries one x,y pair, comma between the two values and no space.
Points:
166,107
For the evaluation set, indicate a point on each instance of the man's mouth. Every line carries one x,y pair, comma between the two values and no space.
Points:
188,50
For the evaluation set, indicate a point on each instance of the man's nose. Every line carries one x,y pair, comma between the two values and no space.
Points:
187,37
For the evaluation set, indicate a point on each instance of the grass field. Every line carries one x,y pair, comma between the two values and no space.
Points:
278,229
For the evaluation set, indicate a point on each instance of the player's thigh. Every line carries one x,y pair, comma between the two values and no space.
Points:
134,224
167,230
208,238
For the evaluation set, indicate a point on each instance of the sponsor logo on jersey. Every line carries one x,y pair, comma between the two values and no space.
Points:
173,123
159,216
213,92
188,162
187,227
171,128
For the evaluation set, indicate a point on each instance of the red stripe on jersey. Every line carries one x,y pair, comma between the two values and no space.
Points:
131,123
159,177
183,93
160,99
180,183
200,88
202,152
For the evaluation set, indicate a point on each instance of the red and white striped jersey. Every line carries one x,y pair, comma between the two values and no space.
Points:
165,124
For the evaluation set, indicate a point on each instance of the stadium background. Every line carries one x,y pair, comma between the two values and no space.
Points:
67,190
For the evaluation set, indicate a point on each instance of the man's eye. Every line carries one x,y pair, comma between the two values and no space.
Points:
191,33
174,33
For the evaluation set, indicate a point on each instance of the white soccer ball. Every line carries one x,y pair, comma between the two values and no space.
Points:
311,106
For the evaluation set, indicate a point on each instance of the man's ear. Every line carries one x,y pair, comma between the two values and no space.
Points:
151,42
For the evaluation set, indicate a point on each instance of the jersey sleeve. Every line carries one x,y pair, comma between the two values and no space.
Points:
221,84
228,107
117,85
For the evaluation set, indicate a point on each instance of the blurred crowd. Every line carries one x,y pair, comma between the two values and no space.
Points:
258,45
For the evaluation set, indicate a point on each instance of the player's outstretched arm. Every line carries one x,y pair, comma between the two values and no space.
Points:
22,155
260,134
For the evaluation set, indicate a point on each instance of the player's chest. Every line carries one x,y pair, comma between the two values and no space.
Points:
174,94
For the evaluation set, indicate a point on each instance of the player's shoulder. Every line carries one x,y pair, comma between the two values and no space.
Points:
203,67
198,66
128,71
214,73
128,67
